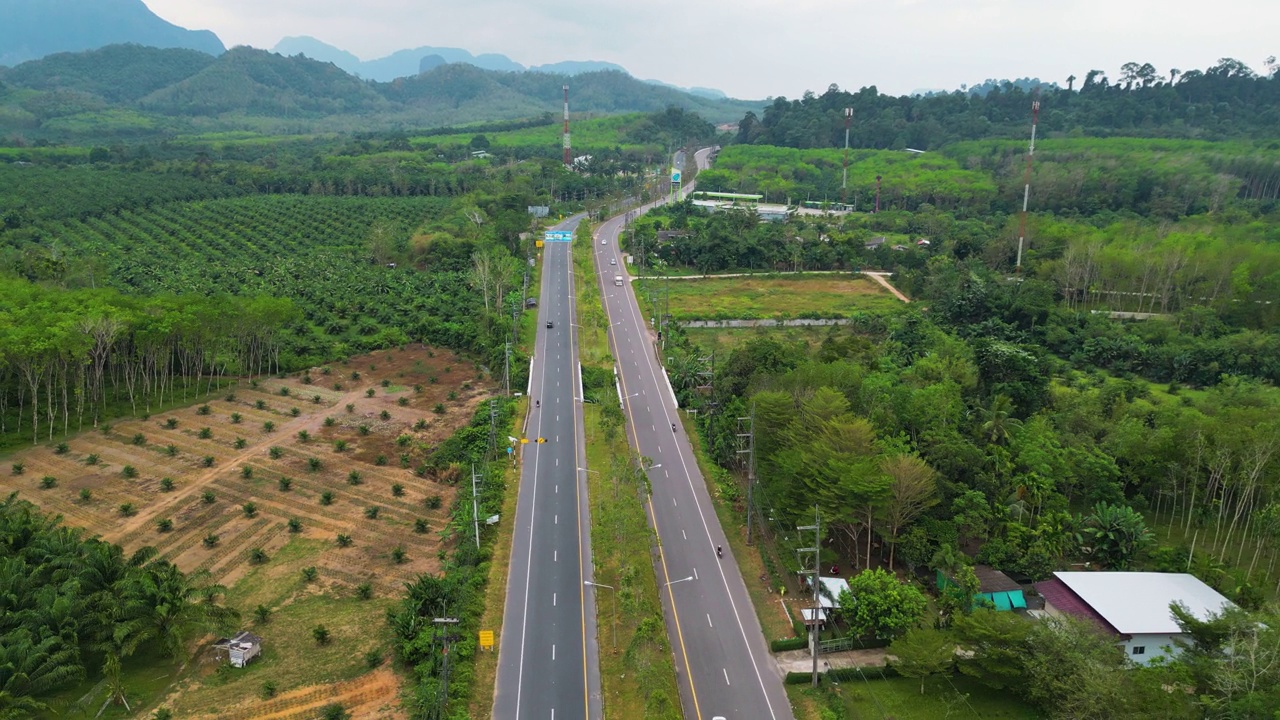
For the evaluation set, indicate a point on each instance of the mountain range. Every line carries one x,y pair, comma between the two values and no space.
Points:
32,29
137,90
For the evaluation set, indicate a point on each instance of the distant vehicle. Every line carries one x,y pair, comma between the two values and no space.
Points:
531,302
603,241
550,324
613,261
617,280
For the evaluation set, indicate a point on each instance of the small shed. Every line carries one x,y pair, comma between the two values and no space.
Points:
875,243
993,586
240,649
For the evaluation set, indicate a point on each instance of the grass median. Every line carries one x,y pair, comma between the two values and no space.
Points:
637,669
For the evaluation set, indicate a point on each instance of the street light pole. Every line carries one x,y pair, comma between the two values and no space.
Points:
615,608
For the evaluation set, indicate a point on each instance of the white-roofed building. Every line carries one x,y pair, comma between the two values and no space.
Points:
1134,606
828,599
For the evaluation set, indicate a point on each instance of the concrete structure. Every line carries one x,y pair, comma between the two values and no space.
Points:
1133,606
240,649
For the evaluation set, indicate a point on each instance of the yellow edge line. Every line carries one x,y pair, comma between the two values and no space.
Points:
662,555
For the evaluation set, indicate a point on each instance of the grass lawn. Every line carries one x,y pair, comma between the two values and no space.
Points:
769,297
725,340
958,698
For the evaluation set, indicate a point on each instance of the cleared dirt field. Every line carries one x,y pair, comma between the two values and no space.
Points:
282,447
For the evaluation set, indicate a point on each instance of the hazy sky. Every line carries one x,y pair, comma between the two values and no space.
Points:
754,48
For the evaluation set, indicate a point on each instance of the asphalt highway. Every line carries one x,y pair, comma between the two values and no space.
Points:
722,660
548,665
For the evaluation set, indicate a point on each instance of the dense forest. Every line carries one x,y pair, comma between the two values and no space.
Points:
1227,100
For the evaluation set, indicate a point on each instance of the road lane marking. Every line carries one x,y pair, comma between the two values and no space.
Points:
682,532
553,651
726,676
709,622
555,556
695,573
553,604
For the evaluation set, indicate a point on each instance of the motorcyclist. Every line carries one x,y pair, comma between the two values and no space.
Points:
537,403
673,427
719,551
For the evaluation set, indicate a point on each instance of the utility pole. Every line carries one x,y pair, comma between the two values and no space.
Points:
816,527
750,435
475,503
1026,187
877,193
443,698
506,371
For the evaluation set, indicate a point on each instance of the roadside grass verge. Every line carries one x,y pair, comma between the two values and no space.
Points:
762,297
637,668
761,571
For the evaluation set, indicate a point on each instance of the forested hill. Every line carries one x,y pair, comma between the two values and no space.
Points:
130,89
31,29
1228,100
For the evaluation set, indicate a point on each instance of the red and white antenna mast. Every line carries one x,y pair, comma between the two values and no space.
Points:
1026,188
568,154
844,180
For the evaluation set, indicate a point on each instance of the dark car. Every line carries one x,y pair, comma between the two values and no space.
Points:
550,324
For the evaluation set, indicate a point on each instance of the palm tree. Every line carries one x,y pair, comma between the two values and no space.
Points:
28,669
170,605
998,421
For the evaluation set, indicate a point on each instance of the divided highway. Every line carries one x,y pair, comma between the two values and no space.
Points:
548,666
722,659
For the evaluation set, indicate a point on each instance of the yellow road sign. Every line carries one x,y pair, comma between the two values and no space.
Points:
524,441
486,639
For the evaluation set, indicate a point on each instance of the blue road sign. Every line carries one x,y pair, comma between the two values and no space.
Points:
675,176
558,236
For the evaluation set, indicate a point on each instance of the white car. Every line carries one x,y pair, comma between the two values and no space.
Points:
603,241
613,261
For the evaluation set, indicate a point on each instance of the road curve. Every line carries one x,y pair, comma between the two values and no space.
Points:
548,662
722,659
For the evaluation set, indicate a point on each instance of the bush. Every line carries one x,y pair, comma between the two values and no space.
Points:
295,525
785,644
257,556
398,555
326,498
210,540
48,482
236,418
250,509
61,449
207,461
268,426
86,494
262,613
353,478
304,436
397,490
434,502
205,433
166,484
333,711
171,450
91,459
321,634
127,509
208,497
344,541
370,392
314,464
371,512
162,714
240,443
139,439
420,526
203,410
276,452
164,525
364,591
129,471
384,415
309,573
373,659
